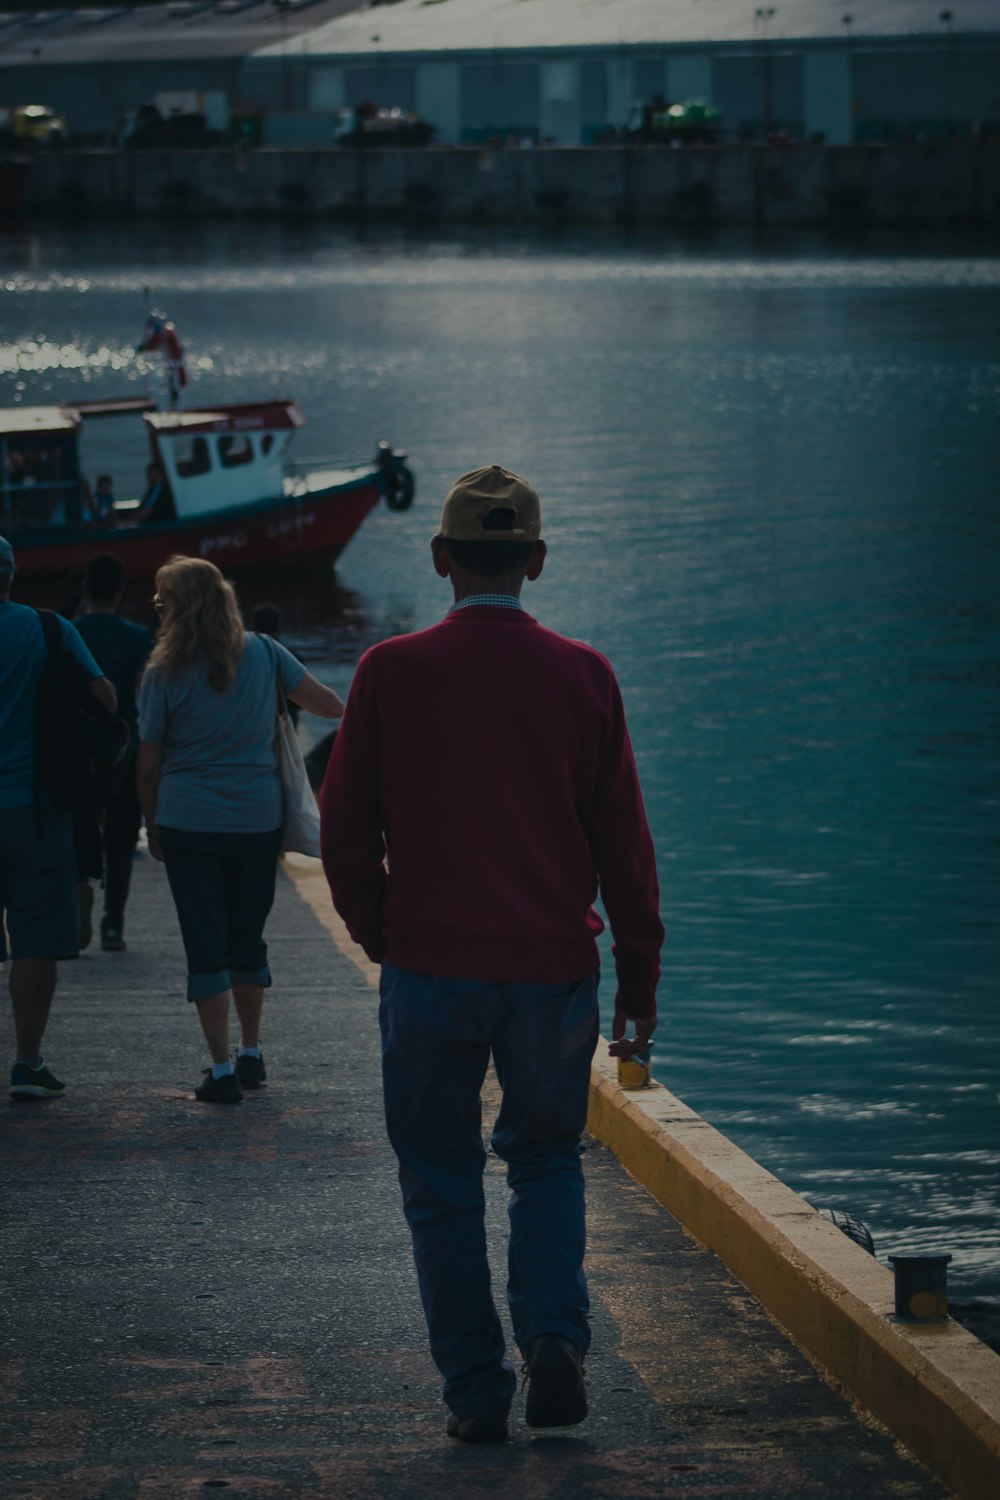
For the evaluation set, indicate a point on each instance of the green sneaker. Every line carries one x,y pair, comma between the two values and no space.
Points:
27,1082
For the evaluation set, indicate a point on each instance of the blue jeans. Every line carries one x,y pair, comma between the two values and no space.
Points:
437,1037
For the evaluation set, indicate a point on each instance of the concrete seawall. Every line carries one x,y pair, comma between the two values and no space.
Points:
791,186
935,1386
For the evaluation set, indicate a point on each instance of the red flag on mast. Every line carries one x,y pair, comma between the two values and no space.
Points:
160,334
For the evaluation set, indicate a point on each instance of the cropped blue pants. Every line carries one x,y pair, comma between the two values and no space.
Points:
223,889
437,1038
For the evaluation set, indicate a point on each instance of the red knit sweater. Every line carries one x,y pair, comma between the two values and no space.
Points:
487,761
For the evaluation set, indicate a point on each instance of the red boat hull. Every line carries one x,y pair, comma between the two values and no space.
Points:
307,529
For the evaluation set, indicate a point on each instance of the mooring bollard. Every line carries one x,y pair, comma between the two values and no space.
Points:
921,1287
636,1072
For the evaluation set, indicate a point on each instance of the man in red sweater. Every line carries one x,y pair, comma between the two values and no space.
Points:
481,790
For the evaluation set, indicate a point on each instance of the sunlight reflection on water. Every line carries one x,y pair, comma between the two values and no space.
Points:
770,490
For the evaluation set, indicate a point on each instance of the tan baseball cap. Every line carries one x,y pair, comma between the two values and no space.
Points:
472,497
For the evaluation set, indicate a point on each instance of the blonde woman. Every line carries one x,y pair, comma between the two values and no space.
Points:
211,797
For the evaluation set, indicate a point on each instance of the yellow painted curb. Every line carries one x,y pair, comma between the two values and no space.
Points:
306,874
936,1388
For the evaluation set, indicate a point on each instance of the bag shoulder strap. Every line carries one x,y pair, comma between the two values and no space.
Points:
272,651
54,649
53,635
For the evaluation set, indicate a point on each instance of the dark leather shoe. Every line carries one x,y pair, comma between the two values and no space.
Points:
225,1090
251,1071
557,1396
485,1429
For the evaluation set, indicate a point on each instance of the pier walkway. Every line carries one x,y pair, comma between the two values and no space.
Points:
201,1299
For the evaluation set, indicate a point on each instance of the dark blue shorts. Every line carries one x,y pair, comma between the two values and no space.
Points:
38,884
223,889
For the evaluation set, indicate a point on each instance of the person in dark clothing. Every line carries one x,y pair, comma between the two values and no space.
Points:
157,503
267,621
481,790
99,508
39,921
106,836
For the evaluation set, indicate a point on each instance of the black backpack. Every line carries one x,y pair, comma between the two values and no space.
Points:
83,750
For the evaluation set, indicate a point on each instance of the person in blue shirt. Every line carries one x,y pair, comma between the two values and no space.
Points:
100,508
106,836
211,793
37,870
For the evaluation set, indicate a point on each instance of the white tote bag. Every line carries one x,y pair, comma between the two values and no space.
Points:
300,823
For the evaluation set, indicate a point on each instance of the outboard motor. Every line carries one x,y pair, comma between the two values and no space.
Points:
395,480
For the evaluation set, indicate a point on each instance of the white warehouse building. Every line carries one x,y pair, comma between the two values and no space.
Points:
566,70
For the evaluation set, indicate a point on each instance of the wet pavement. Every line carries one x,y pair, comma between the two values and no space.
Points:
201,1299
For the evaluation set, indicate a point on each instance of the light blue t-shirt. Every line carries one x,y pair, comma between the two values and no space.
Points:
22,657
219,767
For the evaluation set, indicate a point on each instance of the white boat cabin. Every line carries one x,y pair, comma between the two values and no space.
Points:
224,458
215,461
39,470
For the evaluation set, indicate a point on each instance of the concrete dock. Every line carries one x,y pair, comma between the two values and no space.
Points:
201,1298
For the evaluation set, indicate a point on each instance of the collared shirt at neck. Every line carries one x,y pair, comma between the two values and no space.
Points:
491,601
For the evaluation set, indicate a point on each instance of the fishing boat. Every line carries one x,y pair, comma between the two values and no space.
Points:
229,491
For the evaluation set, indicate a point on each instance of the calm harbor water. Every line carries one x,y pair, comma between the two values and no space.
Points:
770,478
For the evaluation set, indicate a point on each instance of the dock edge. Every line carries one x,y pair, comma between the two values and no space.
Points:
936,1387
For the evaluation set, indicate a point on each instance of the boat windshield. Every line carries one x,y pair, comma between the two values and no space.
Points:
39,483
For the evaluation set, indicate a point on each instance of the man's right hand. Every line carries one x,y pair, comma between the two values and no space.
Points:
623,1046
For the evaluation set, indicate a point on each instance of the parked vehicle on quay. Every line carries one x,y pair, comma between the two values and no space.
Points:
369,125
29,125
232,494
184,118
693,122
